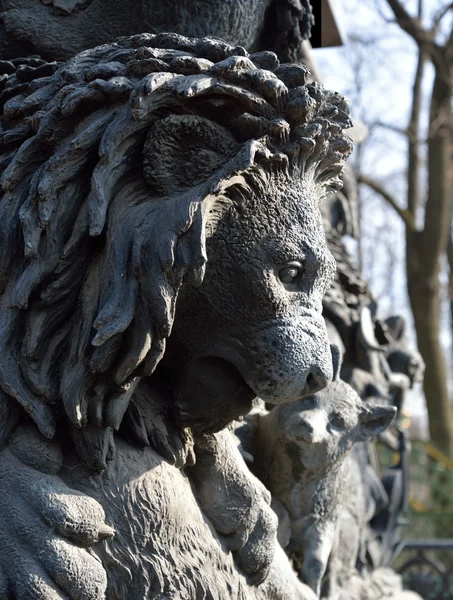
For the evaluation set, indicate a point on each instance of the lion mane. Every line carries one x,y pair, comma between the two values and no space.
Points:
113,166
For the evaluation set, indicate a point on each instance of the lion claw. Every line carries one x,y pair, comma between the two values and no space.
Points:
46,529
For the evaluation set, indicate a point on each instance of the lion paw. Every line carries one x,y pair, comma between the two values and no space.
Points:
46,529
237,504
256,555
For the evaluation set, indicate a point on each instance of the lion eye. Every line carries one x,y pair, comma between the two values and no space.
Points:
336,422
291,272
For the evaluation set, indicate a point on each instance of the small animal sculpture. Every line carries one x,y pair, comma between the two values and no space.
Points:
301,453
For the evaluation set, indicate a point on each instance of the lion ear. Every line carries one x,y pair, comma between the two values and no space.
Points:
183,151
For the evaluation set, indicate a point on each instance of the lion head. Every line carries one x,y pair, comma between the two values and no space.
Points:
119,168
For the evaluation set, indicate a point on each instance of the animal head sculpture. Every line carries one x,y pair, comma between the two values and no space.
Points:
326,425
153,173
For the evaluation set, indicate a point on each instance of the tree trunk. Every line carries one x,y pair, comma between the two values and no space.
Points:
423,253
450,277
425,303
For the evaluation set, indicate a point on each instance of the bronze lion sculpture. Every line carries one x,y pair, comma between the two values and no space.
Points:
162,263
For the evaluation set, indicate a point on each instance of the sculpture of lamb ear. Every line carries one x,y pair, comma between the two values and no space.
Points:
337,361
375,420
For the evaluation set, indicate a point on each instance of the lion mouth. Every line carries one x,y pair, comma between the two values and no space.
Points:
210,394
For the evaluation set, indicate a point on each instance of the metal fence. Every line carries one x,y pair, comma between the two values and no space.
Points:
428,570
425,557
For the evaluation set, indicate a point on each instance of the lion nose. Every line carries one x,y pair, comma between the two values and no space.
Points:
316,380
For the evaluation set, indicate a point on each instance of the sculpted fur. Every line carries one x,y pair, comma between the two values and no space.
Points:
162,263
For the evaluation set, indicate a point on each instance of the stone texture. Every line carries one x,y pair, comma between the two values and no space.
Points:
164,262
57,29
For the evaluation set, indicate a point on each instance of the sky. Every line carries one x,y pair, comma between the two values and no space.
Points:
374,70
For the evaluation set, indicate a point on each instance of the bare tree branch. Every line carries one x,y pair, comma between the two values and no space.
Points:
405,214
394,129
423,37
410,24
448,54
436,229
440,15
413,153
390,127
